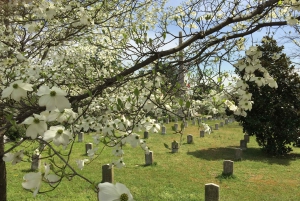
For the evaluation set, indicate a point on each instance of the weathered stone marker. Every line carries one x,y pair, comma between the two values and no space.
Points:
35,163
146,134
246,138
243,144
221,124
107,173
227,167
226,121
167,120
198,120
88,146
189,139
163,130
201,133
193,122
174,146
185,124
175,127
80,136
238,154
211,192
149,158
216,126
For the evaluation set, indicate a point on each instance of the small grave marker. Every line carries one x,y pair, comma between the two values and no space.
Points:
149,158
175,127
189,139
243,144
175,147
80,136
88,146
36,163
107,173
216,126
146,134
163,130
227,167
238,154
246,138
201,133
211,192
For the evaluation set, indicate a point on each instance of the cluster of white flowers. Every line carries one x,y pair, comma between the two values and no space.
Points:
249,66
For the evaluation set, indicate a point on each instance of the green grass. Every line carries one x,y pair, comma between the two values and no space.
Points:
181,176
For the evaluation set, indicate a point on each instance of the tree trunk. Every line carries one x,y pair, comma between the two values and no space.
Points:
3,182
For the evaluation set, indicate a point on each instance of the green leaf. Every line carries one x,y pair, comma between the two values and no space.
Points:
164,35
136,92
180,102
188,104
166,146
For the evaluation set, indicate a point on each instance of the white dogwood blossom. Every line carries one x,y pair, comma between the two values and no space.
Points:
16,90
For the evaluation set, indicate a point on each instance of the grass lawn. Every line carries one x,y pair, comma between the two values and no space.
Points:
180,176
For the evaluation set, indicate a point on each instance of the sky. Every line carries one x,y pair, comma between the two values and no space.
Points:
256,37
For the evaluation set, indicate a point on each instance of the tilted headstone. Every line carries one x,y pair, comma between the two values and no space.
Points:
88,146
212,192
246,137
227,167
189,139
175,127
149,158
163,130
243,144
80,136
221,124
36,162
175,146
238,154
107,173
216,126
146,134
201,133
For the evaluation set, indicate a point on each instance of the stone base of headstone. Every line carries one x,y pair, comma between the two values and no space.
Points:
146,135
88,146
149,158
189,139
238,154
228,167
174,146
212,192
107,173
201,133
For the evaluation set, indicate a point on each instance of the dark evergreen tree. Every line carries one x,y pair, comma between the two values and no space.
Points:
274,118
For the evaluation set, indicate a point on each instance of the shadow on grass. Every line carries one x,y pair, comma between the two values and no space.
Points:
222,177
252,154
